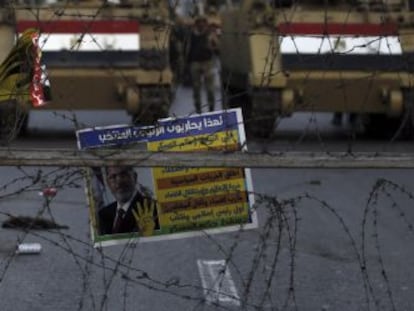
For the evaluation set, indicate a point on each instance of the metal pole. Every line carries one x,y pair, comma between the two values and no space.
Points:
104,157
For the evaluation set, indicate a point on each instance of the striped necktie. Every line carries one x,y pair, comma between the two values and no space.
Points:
118,220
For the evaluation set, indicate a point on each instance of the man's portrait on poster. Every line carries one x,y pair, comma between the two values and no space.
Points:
130,209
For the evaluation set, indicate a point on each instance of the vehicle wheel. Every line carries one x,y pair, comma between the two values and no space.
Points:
382,126
13,121
154,103
237,98
377,126
407,119
231,97
264,113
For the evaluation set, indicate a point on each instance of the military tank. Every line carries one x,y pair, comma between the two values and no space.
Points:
101,55
281,57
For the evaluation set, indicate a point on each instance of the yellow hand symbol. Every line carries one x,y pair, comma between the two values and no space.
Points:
144,216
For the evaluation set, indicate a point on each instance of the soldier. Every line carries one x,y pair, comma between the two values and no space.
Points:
201,50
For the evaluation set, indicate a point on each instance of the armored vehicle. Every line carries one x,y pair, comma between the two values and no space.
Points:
101,55
281,57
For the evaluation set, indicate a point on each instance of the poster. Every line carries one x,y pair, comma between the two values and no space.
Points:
182,201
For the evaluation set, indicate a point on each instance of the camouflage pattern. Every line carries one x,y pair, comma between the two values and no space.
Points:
200,70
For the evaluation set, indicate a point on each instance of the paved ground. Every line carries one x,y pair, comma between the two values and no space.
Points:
333,240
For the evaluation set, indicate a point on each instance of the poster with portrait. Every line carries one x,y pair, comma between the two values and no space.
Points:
170,202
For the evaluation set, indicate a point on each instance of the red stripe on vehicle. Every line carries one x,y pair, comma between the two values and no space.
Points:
364,29
98,26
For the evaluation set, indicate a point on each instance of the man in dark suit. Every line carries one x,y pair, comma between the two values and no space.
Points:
132,211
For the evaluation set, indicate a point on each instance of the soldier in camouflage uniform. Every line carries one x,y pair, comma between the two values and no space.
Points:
202,47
